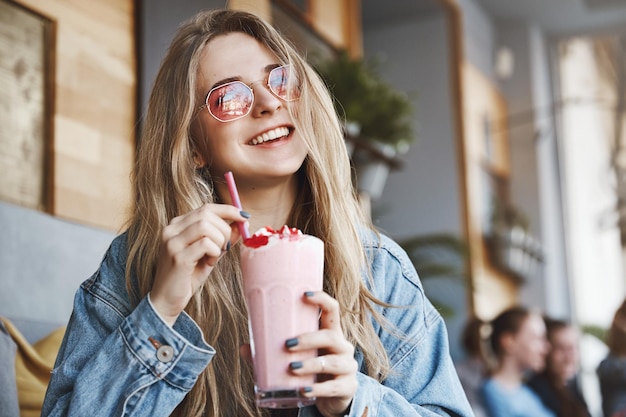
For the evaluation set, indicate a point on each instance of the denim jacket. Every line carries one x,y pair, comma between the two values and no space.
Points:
118,359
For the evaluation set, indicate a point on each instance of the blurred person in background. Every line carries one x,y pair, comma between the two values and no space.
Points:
519,345
612,370
473,369
557,385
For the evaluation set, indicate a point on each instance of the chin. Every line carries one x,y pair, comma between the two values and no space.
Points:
285,169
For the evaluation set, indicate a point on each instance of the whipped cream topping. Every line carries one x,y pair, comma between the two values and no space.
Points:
270,135
262,236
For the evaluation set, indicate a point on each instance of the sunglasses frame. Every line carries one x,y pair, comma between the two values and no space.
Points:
249,87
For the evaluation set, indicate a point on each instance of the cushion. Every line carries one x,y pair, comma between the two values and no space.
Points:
33,365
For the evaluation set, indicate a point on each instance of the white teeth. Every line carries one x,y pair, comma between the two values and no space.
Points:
271,135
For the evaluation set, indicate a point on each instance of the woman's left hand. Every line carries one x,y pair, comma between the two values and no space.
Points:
336,368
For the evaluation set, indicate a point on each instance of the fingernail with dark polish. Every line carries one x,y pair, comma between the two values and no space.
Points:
291,342
307,389
244,214
309,294
228,246
295,365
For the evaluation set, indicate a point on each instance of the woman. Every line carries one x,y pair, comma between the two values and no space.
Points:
472,370
232,95
556,385
612,370
518,342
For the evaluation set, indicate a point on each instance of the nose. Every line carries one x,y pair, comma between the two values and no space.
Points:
265,102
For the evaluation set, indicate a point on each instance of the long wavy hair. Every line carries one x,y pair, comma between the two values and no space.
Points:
168,184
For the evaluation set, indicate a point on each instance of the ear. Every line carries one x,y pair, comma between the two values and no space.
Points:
507,340
196,146
198,159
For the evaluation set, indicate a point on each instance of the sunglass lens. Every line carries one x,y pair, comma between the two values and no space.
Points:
230,101
283,82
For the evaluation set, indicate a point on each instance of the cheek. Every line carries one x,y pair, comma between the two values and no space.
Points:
529,359
207,135
535,350
199,134
522,352
558,360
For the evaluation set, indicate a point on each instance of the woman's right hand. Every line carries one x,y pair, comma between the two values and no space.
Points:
191,245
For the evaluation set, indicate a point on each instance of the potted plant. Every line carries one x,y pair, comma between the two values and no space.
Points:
438,256
511,246
378,117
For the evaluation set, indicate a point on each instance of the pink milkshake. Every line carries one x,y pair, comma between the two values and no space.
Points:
278,268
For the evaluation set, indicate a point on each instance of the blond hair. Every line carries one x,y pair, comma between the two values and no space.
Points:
167,184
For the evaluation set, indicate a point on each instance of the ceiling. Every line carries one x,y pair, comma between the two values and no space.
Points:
555,17
382,11
561,16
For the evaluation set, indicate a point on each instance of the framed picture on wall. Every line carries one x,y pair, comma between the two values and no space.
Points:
26,71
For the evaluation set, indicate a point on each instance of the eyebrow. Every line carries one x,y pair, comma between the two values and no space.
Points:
267,70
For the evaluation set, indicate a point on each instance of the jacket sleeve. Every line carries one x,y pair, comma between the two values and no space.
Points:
114,362
423,383
422,380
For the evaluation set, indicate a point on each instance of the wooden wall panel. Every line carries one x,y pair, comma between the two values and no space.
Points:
336,23
329,18
483,104
261,8
95,102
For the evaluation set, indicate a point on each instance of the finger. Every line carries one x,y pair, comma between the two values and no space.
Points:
203,251
344,386
191,228
224,211
245,352
332,341
326,364
234,233
330,317
211,235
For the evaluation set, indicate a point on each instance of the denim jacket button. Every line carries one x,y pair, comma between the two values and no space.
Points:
165,353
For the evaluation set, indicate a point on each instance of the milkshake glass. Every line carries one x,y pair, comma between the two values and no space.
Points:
278,268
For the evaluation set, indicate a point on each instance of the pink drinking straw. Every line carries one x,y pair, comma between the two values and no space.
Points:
234,196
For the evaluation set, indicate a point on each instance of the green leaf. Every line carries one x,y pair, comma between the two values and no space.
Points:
596,331
436,256
361,95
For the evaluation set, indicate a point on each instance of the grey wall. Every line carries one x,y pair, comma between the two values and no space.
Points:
159,21
535,184
479,37
424,196
43,260
525,42
557,286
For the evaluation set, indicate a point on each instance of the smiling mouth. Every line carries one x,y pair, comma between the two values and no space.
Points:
271,135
